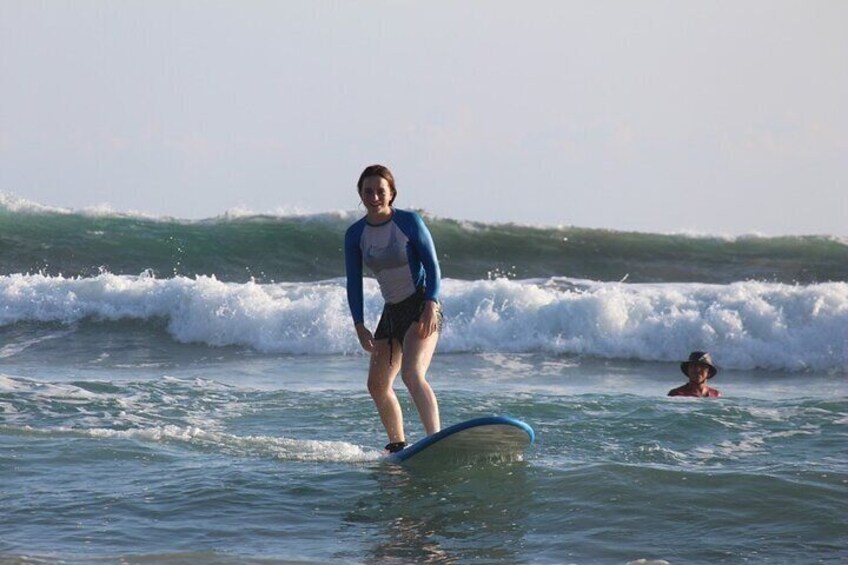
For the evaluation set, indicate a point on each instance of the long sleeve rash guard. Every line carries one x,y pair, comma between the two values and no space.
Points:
401,254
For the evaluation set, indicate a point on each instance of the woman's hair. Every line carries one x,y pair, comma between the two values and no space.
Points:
378,171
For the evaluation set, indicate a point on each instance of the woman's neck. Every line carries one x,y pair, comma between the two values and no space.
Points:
379,216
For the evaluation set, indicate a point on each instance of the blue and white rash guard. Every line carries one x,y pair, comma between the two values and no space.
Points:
400,253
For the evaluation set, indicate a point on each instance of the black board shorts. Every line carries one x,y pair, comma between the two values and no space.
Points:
397,318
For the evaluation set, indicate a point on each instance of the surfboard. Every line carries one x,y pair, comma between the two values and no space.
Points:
489,437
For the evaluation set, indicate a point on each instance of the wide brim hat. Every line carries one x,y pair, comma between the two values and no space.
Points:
702,358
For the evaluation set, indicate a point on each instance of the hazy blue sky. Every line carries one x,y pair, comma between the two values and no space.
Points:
718,117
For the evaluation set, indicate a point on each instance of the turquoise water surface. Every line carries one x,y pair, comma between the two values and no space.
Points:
114,451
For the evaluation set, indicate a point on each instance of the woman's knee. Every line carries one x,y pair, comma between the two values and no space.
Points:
377,388
413,378
381,377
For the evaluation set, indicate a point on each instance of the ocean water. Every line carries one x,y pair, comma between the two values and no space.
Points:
192,392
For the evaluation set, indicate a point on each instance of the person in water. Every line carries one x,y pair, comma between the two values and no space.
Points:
398,248
699,368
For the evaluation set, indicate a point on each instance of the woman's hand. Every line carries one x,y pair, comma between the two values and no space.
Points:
366,340
428,324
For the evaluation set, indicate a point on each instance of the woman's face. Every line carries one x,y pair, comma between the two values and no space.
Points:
376,194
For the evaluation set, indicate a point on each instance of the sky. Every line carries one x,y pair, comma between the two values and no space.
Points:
719,117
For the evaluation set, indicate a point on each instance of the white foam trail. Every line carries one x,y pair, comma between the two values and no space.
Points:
263,446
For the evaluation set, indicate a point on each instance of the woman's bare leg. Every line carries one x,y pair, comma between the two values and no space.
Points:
417,354
381,378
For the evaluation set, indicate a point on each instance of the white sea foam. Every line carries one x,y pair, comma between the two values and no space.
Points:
103,210
22,205
286,449
744,325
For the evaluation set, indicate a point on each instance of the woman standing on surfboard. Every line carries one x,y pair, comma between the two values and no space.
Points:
397,247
